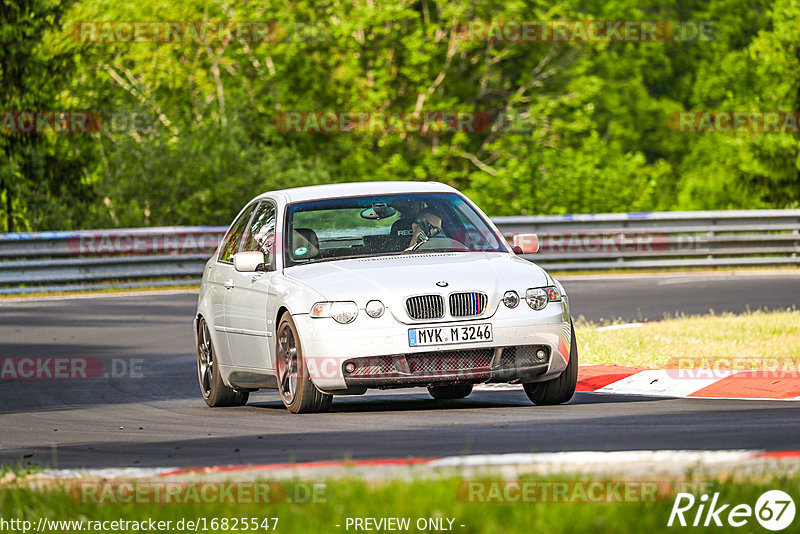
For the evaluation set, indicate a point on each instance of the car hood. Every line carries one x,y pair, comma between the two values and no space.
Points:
393,278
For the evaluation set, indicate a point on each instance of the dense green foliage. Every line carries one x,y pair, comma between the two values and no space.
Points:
190,135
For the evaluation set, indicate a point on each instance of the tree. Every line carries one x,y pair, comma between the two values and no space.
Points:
189,127
41,178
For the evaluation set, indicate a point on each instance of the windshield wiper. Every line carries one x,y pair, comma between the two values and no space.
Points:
425,250
332,258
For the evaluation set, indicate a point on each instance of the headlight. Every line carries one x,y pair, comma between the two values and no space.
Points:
537,298
341,312
511,299
553,294
344,312
374,308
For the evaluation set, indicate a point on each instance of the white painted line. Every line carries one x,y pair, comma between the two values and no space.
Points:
498,387
106,472
708,275
661,382
726,276
611,458
109,295
620,326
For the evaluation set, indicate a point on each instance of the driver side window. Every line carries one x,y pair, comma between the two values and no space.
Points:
231,245
261,233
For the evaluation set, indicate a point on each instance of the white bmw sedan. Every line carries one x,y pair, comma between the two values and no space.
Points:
335,289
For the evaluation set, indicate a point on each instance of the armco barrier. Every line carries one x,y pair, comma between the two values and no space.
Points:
46,261
662,239
66,261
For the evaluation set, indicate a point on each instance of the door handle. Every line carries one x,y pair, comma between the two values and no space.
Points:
229,284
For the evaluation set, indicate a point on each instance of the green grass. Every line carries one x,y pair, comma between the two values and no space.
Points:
417,499
758,337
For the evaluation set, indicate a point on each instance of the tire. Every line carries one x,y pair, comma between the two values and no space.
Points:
454,391
214,391
298,392
561,388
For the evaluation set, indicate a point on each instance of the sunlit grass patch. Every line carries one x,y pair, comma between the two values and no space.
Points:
451,503
752,336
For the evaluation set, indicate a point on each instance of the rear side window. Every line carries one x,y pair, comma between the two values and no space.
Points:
234,238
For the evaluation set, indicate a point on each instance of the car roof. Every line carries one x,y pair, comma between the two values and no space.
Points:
317,192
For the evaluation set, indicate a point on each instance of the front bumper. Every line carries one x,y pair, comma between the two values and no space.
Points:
375,353
503,364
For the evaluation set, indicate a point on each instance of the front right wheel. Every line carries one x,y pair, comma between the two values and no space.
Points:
561,388
298,392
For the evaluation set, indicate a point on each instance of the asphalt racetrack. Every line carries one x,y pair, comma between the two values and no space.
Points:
152,415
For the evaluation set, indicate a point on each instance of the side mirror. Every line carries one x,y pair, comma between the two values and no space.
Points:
249,262
526,243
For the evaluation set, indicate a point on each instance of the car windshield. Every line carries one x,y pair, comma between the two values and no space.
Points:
384,225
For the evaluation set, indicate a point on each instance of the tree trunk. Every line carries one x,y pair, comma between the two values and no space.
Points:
9,212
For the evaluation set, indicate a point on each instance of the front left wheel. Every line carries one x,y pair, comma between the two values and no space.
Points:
298,392
214,391
561,388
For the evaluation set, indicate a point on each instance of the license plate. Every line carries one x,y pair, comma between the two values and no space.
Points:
448,335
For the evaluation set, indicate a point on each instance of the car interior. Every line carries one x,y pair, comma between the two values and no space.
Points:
374,236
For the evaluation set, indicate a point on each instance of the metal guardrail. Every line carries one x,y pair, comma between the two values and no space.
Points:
662,239
68,261
64,261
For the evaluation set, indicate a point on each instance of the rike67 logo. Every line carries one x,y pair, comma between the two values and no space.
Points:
774,510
